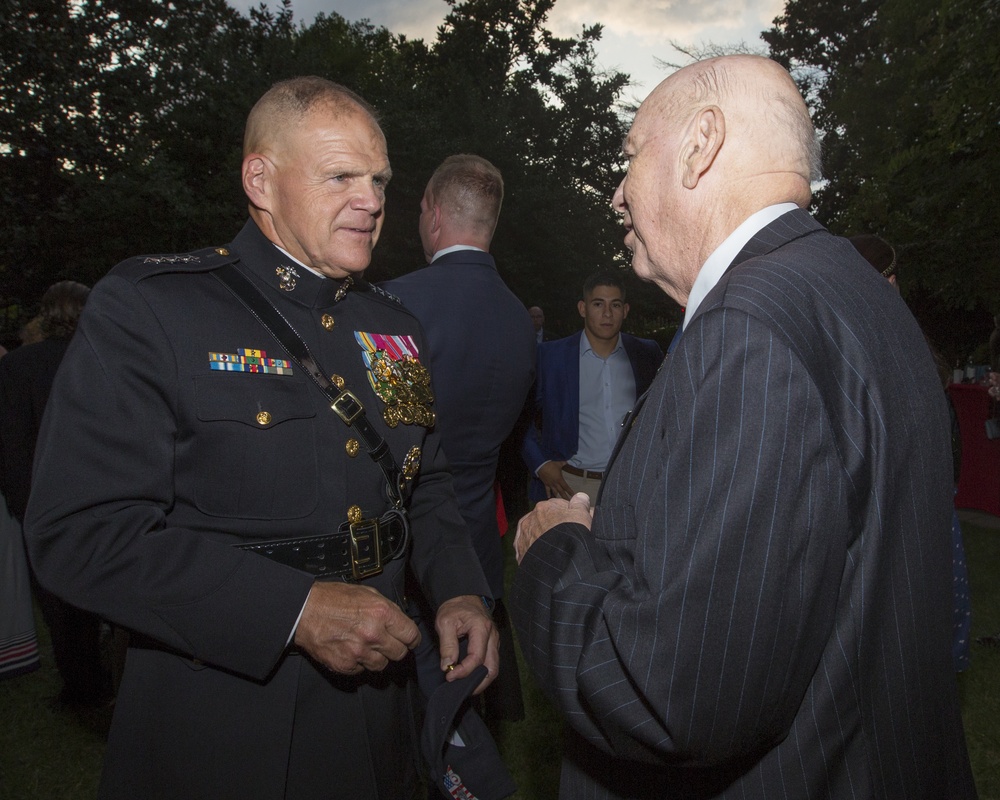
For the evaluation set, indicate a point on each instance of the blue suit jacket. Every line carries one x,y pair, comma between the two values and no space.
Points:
556,430
762,606
482,360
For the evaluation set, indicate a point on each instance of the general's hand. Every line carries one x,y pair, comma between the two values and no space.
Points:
551,474
466,616
349,628
546,515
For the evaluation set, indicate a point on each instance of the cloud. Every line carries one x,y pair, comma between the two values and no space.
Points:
636,32
648,22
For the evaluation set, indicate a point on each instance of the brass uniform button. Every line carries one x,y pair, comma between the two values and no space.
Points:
222,251
352,447
327,322
264,418
354,514
337,381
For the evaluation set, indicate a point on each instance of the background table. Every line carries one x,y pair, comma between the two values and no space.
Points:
979,483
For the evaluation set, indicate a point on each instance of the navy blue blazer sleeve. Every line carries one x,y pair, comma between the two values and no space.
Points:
556,402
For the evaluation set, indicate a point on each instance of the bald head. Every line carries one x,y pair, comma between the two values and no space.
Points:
712,145
770,136
283,107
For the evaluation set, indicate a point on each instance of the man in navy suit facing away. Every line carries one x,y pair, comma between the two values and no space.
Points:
759,605
482,356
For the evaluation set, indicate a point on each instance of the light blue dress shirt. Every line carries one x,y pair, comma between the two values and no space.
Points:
607,394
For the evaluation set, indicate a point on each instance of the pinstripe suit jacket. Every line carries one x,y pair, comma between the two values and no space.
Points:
762,606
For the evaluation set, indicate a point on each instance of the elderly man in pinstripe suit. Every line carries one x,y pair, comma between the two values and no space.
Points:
759,604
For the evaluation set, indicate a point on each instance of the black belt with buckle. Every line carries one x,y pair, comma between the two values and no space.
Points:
356,551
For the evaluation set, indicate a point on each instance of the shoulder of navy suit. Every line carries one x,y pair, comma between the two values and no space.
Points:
139,268
786,228
628,340
566,343
465,257
439,271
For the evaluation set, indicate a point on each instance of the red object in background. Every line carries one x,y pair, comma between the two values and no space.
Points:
979,482
501,511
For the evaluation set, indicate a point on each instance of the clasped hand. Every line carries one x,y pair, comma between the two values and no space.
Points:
350,628
546,515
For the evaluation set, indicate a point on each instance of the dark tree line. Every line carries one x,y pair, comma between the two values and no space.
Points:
121,124
906,93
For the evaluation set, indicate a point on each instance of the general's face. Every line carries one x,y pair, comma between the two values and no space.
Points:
648,199
603,311
330,175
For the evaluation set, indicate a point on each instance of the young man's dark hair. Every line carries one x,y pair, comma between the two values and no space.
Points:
603,278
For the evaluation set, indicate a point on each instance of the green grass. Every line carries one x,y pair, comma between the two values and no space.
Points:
48,754
978,686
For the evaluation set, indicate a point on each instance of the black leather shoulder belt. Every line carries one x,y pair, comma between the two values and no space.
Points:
365,544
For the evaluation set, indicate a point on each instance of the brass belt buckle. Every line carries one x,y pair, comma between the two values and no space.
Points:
366,551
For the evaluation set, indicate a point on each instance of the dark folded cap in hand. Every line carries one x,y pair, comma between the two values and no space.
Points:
462,755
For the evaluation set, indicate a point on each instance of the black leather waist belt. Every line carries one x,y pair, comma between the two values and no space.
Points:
357,550
583,473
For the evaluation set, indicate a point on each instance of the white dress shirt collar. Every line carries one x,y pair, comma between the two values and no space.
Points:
314,272
715,267
455,248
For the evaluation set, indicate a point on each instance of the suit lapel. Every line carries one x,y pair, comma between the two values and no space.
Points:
786,228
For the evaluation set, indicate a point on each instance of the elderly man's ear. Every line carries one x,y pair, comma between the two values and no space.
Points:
702,144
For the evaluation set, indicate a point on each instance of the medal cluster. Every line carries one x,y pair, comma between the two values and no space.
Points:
404,385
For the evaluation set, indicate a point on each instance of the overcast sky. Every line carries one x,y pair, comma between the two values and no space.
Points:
635,31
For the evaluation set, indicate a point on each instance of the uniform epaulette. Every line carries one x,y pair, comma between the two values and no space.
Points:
378,291
204,260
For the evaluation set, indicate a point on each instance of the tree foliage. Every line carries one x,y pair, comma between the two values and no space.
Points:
121,129
904,92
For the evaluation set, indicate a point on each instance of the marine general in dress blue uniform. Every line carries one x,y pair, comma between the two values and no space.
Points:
179,433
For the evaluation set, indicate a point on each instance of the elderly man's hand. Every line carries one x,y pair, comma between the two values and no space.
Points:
349,628
546,515
467,616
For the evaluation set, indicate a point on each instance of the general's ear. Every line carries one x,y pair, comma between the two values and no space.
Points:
702,145
256,184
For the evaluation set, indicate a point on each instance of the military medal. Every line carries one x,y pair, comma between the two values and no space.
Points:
398,378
